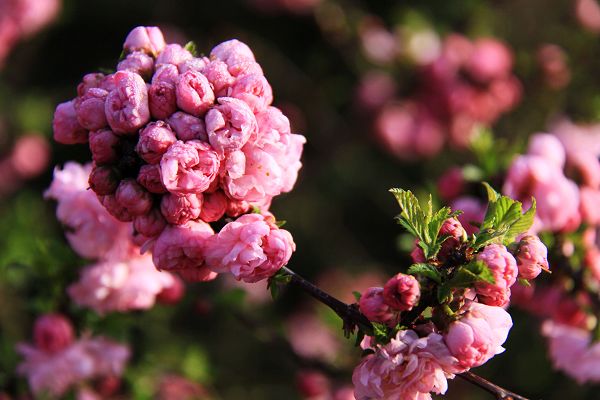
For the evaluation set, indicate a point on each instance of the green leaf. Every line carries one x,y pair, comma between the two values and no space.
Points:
491,193
470,274
482,271
191,47
381,332
275,282
426,270
280,223
411,216
357,295
522,224
443,293
524,282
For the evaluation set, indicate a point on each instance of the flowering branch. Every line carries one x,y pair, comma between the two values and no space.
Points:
352,318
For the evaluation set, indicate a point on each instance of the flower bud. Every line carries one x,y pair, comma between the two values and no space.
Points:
155,139
150,224
173,54
104,180
194,93
254,90
178,209
149,178
531,256
181,247
503,266
145,38
401,292
115,208
187,127
127,105
93,80
162,99
189,167
232,51
137,62
219,77
103,145
90,109
67,129
235,208
230,124
373,306
214,207
53,333
134,198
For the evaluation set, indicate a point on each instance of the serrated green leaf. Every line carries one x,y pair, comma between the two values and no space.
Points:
470,274
191,47
443,293
411,216
491,193
426,270
522,224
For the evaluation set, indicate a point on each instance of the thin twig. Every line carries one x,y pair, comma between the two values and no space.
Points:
352,317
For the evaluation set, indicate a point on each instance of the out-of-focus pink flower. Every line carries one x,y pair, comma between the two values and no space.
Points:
182,246
189,167
401,292
145,38
252,248
531,256
127,104
173,387
590,205
187,127
30,155
378,44
374,306
549,147
503,266
451,184
230,124
194,93
130,284
133,197
408,367
67,129
93,232
312,384
85,359
478,335
374,90
173,293
572,351
52,333
473,211
155,139
311,338
179,209
592,261
588,14
490,59
553,63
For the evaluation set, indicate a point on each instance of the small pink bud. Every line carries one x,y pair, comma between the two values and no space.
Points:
214,207
401,292
187,127
532,257
230,124
138,62
178,209
133,197
155,139
219,77
104,145
127,105
166,73
104,180
503,266
150,224
115,208
235,208
189,167
162,99
232,51
149,178
194,93
173,54
93,80
90,109
53,333
254,90
145,38
67,129
181,247
373,306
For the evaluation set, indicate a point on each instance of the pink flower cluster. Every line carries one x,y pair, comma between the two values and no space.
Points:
122,279
470,83
179,142
57,361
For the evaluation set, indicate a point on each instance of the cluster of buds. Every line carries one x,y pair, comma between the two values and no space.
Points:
57,361
469,83
179,142
446,314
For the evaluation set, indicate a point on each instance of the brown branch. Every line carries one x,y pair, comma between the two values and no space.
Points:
352,318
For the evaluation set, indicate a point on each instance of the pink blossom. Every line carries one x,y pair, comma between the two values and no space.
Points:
149,178
549,147
478,335
179,209
374,90
86,359
167,73
114,208
456,235
232,52
138,62
311,338
133,197
53,333
196,64
572,351
201,274
155,139
503,266
590,205
104,146
592,261
532,257
401,292
173,387
172,294
194,93
145,38
189,167
92,231
374,306
92,80
378,44
90,109
217,73
588,14
408,368
162,99
173,54
252,248
230,124
312,384
130,284
65,124
127,104
182,246
489,59
553,63
451,184
473,211
150,224
214,206
30,155
254,90
187,127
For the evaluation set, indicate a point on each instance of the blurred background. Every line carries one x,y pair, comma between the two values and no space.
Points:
358,79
